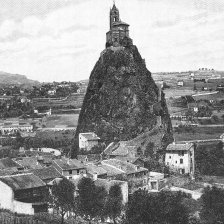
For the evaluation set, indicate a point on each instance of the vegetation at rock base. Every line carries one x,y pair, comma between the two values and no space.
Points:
210,159
213,205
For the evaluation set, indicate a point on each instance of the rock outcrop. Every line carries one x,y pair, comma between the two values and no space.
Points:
123,103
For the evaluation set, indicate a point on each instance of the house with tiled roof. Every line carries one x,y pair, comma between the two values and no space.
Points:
47,174
23,193
29,162
69,168
88,140
136,176
180,157
94,171
89,158
120,149
8,163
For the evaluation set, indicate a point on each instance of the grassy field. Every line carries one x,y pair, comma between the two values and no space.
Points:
69,120
200,133
178,92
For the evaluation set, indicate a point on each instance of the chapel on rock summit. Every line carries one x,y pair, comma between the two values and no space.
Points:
119,31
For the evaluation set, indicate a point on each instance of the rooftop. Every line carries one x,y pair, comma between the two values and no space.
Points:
179,146
8,163
22,181
124,166
29,162
123,149
46,173
120,23
90,136
89,157
91,168
68,164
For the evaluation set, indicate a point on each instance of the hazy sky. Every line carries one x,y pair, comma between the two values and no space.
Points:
59,40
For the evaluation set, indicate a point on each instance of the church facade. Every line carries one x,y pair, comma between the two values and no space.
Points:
118,30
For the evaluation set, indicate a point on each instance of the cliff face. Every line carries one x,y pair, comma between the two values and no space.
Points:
122,100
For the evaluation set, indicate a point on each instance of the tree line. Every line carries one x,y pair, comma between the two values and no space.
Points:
96,204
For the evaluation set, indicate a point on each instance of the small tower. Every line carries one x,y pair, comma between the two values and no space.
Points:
118,30
114,15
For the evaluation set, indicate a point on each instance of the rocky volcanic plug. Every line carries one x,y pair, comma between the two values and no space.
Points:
122,102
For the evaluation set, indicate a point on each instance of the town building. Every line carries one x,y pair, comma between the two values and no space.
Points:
69,168
93,158
23,193
136,176
88,140
118,29
47,174
15,126
180,157
8,163
156,181
180,83
51,92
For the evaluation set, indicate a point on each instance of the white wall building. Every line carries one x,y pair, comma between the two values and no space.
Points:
12,128
180,157
88,140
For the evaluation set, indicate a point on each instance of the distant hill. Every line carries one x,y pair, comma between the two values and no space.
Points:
15,79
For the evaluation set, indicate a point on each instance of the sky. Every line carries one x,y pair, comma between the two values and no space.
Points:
61,40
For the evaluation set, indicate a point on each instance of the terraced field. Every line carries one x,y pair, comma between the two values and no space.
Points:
74,100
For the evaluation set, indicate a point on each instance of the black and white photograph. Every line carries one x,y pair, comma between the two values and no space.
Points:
111,112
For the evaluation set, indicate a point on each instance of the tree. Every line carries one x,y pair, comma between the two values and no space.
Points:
61,197
149,150
91,199
163,208
114,204
213,205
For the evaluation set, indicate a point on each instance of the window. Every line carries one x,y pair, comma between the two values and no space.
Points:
70,171
181,161
153,186
77,172
169,157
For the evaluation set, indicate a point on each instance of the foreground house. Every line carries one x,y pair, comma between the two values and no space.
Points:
69,168
136,176
23,193
180,157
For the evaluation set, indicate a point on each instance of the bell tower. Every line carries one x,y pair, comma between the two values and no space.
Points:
114,15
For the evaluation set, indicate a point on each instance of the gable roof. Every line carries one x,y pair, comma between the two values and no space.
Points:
8,163
22,181
91,169
123,149
89,157
120,23
110,148
179,146
124,166
68,164
46,173
29,162
90,136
